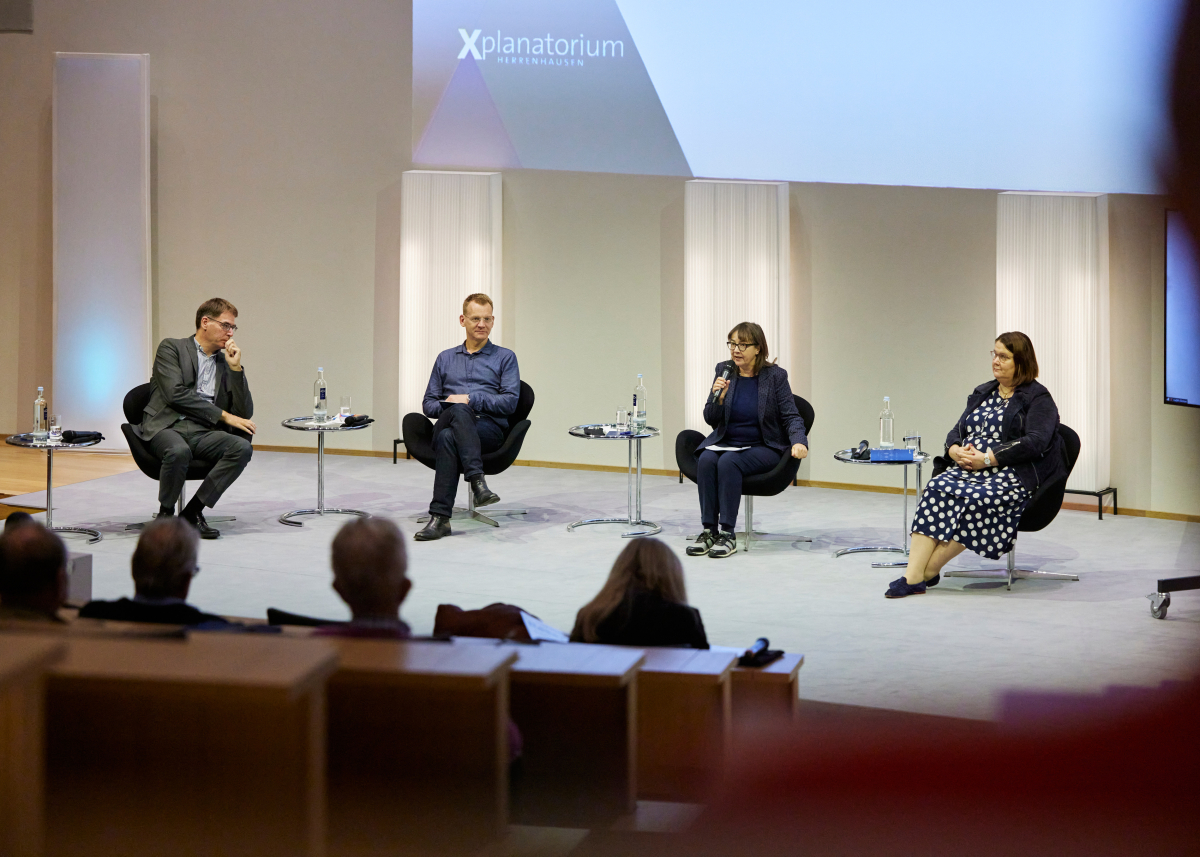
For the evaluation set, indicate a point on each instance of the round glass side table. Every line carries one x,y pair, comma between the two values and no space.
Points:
27,441
919,458
633,489
322,428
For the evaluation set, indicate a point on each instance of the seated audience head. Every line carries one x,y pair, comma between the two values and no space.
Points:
645,565
17,519
33,570
1013,360
370,568
164,561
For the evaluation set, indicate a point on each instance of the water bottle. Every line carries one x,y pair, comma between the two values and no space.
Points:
638,414
885,424
320,403
41,417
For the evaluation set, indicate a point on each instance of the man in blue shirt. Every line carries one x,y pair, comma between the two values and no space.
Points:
473,389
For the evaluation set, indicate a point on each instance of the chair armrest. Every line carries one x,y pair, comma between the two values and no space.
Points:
503,458
685,452
417,432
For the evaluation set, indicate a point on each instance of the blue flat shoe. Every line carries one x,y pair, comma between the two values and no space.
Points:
935,580
901,589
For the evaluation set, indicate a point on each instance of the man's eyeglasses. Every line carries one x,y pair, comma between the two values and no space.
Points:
1003,358
486,319
226,326
740,347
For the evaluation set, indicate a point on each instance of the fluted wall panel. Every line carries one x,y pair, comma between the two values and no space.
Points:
735,269
1052,284
450,247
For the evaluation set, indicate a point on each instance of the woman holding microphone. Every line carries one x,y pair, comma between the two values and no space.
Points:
755,423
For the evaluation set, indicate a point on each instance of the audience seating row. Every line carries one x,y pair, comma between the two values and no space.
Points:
255,744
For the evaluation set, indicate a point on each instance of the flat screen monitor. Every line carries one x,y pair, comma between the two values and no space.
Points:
1182,315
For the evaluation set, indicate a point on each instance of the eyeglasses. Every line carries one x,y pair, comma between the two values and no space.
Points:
226,326
486,319
740,347
1003,358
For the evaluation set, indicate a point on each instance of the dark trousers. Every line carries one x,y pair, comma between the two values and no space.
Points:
719,476
459,441
178,445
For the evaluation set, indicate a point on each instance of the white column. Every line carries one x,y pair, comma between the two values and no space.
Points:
101,197
1052,284
735,269
450,246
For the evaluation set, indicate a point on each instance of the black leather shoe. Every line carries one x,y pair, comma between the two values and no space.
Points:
206,532
484,496
438,526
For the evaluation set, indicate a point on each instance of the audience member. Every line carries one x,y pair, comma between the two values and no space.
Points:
643,603
370,574
164,564
33,573
17,519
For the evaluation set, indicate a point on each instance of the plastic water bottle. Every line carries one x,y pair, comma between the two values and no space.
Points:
41,417
885,424
320,403
639,407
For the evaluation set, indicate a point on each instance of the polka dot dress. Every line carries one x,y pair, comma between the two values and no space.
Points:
979,508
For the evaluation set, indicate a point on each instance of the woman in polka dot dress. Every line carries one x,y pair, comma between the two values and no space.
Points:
1003,447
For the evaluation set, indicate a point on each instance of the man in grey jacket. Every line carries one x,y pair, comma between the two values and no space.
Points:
200,407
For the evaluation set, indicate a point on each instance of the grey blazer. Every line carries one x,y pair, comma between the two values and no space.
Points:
778,420
173,390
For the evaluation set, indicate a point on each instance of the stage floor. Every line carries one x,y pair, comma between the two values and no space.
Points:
950,652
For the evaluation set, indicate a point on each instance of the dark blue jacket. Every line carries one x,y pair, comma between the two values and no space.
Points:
1029,441
778,420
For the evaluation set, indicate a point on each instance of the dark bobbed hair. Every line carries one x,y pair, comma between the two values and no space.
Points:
645,565
752,332
31,560
214,308
164,560
1024,358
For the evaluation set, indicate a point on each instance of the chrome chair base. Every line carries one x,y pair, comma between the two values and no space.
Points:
1011,572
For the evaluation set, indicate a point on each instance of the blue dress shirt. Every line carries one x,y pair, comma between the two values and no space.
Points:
489,376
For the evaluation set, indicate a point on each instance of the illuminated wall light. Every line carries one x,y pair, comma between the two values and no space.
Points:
451,235
101,199
1052,284
735,269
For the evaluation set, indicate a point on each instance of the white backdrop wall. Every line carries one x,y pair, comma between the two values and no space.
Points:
736,268
450,246
1052,265
101,156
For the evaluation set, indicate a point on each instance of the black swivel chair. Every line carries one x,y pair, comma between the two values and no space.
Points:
1042,509
763,485
417,431
144,457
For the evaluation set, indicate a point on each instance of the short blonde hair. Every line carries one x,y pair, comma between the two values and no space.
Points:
477,298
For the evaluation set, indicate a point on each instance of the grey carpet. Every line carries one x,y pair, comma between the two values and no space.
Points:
950,652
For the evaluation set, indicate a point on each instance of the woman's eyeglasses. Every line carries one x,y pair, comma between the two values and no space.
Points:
740,347
1003,358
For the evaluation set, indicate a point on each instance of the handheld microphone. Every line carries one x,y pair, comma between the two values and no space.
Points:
724,377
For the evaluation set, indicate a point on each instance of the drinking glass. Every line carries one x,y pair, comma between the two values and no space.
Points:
345,410
913,442
55,428
622,418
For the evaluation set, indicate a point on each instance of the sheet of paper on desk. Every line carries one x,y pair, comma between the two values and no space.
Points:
719,448
539,630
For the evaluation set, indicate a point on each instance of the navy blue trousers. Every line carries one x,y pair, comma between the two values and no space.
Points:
719,476
459,441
